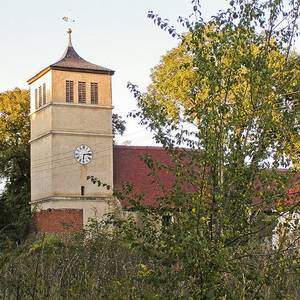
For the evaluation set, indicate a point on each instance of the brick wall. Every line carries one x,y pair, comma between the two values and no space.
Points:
59,220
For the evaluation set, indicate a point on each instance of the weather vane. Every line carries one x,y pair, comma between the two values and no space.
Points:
69,20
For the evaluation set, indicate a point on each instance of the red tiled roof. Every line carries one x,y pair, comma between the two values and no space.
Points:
293,193
129,167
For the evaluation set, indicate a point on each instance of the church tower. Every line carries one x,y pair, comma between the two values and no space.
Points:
71,138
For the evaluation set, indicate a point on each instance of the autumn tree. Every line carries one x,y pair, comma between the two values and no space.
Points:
230,94
14,164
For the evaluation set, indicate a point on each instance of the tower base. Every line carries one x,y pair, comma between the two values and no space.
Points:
70,214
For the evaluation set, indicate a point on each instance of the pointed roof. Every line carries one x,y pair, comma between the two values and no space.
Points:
71,61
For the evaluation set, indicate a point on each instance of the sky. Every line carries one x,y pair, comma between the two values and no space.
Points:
114,34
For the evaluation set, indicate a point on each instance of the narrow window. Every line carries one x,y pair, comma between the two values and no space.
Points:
94,93
40,96
82,191
81,92
167,220
44,93
69,91
36,99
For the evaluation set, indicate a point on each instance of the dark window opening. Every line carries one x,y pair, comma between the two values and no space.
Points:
44,93
82,190
36,99
69,91
81,92
94,93
166,220
40,96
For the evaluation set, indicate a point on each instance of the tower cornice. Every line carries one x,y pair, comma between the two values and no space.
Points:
56,132
89,106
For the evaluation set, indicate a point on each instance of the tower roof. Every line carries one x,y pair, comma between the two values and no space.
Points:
71,61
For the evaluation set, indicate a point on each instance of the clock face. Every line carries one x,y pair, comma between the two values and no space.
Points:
83,154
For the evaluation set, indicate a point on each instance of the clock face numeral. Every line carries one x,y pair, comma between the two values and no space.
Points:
83,154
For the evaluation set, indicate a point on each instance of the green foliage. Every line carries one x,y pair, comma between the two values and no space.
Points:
45,244
233,70
120,262
230,93
14,166
240,119
172,81
99,267
118,124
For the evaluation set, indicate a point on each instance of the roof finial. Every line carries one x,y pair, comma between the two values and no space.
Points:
70,39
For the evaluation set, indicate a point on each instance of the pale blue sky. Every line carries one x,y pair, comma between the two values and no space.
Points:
114,34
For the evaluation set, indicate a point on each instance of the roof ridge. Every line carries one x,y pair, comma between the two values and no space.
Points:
139,147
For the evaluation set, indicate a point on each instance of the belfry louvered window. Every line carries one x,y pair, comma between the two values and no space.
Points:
81,92
69,91
94,93
44,93
36,99
40,96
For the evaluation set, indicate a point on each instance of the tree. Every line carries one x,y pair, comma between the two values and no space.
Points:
14,164
173,80
240,120
118,124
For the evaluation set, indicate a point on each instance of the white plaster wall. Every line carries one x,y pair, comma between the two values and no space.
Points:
41,164
46,78
68,175
41,122
81,118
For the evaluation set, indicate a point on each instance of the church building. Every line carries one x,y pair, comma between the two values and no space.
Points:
71,138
